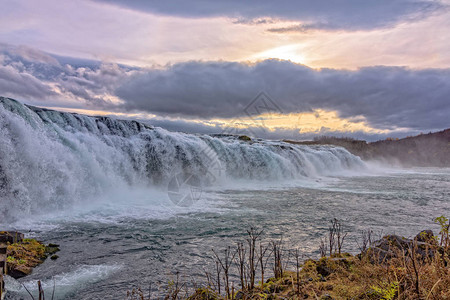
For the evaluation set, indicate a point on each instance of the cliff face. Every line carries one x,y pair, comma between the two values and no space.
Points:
432,149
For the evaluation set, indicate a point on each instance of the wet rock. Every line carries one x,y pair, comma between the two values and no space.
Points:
51,249
244,138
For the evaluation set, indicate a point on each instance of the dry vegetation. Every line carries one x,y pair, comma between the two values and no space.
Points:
392,268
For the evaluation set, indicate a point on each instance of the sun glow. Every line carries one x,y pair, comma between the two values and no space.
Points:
316,121
293,53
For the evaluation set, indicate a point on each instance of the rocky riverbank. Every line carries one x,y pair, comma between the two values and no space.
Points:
393,267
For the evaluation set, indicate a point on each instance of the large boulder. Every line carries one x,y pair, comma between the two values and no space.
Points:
390,246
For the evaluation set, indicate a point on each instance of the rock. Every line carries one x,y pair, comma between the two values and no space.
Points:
391,246
11,237
20,271
323,269
244,138
378,255
390,242
425,236
425,250
54,257
51,249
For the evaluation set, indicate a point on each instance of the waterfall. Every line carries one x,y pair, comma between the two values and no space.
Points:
51,159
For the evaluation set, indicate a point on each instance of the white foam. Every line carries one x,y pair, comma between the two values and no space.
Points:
63,284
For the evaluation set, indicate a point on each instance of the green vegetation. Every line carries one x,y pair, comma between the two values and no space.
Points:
444,232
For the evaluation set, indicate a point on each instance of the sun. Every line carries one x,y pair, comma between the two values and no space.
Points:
288,52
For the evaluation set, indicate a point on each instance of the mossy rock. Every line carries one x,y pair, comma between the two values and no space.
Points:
23,256
50,250
244,138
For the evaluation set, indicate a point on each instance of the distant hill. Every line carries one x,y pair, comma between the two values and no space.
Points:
432,149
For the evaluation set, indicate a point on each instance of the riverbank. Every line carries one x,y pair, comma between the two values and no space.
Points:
393,267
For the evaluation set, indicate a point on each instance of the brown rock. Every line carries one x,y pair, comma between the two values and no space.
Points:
20,271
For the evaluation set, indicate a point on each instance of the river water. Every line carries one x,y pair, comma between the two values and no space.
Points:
109,249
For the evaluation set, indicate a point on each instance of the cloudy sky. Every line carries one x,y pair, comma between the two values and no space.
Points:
275,69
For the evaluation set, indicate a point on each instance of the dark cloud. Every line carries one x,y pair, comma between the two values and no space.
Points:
344,14
388,97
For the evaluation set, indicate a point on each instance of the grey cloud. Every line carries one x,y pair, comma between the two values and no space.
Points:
43,79
92,84
14,83
28,54
344,14
388,97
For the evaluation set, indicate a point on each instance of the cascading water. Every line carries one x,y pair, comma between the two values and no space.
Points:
50,159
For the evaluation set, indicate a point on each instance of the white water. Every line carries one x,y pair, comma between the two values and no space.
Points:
50,160
62,284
